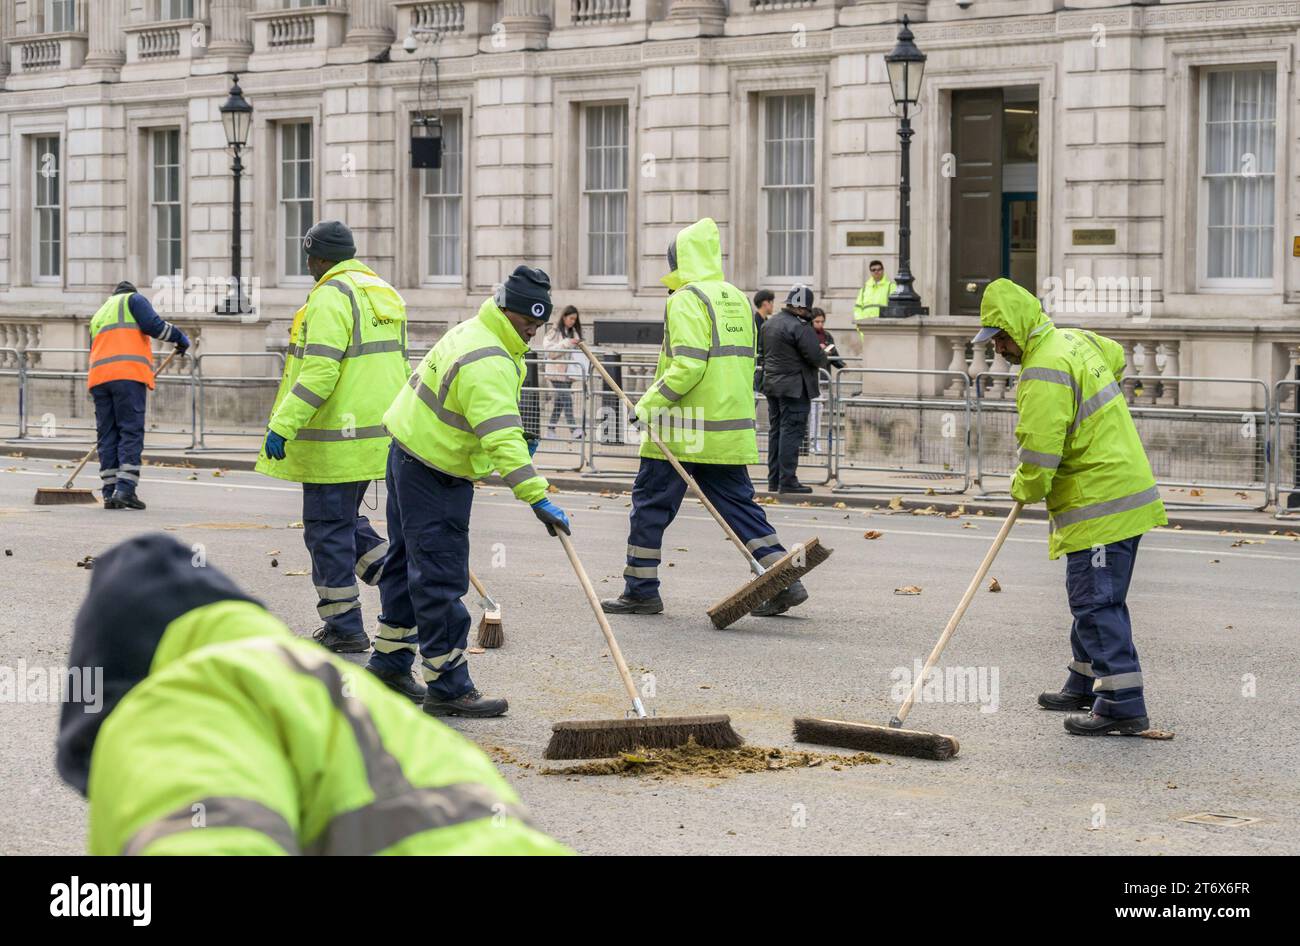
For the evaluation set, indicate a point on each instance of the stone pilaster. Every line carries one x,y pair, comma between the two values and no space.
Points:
525,24
370,23
107,41
232,32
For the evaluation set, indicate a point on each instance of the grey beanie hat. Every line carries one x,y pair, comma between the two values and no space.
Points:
330,240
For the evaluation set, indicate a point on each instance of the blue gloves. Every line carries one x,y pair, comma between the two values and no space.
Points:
552,515
533,444
274,445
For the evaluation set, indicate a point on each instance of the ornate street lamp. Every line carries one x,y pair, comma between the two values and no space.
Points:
906,65
237,119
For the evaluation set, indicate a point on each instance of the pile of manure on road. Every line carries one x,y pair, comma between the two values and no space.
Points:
693,759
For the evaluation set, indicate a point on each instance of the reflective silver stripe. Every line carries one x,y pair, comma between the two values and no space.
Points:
740,423
108,472
640,551
127,476
307,394
1081,668
369,558
470,357
770,557
383,823
382,646
444,414
739,351
1095,344
1051,375
326,436
141,359
339,593
641,571
217,812
374,348
668,392
321,351
117,325
685,351
515,477
717,348
1108,508
390,633
1094,404
1042,328
1048,461
1119,681
296,351
763,541
492,424
344,288
666,421
337,608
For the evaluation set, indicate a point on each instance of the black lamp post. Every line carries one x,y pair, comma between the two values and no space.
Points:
906,65
237,119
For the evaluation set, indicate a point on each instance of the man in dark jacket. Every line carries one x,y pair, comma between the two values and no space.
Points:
791,358
764,299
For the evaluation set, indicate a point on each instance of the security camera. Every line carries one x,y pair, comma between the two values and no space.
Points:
965,4
409,44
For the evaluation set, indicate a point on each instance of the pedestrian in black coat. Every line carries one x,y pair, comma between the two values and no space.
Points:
792,356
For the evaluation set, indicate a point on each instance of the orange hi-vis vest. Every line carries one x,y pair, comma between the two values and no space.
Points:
119,351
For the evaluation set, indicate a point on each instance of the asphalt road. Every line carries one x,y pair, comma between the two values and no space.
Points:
1217,627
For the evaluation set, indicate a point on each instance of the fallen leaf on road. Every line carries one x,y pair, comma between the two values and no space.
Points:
225,525
1197,492
896,502
994,586
872,534
958,512
297,574
294,525
705,686
192,476
681,548
1214,561
969,525
476,650
1157,734
552,488
908,590
841,506
1240,542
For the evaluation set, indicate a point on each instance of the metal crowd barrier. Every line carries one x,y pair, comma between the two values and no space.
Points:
12,365
610,435
244,402
925,436
1230,450
1286,449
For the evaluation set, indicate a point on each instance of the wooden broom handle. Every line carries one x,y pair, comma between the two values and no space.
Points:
617,654
681,470
488,601
91,452
957,615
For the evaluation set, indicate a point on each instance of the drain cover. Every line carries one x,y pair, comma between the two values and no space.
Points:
1218,820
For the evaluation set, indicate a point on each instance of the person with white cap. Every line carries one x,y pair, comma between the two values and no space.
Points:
1080,451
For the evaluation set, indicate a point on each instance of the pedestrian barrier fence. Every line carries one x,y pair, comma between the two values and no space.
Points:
922,432
870,430
1286,448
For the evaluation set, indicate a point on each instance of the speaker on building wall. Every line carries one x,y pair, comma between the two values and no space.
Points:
426,143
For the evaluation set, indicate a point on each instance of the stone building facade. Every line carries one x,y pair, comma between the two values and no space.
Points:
1136,164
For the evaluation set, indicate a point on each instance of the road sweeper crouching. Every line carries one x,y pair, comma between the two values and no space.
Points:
1079,450
455,422
702,407
222,733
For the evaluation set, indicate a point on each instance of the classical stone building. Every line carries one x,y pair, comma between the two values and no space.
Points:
1136,164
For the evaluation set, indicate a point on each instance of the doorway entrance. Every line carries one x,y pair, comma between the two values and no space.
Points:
994,192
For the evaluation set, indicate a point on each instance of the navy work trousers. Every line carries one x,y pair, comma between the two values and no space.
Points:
119,425
343,547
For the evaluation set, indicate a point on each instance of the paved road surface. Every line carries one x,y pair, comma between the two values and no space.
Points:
1212,622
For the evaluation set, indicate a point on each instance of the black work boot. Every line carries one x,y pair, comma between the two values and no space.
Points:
1066,700
789,598
402,683
124,501
1094,725
795,488
473,704
331,639
625,605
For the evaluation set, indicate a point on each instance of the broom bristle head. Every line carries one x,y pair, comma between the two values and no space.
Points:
490,632
788,569
602,738
868,738
59,496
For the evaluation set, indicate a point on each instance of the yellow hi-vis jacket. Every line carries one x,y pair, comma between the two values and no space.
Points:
246,740
1078,447
872,297
702,398
459,413
346,363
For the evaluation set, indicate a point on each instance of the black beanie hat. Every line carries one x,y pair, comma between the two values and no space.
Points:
136,590
527,292
330,240
125,286
800,297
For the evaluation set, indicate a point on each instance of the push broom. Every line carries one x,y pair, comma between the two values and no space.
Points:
490,632
767,582
65,495
894,738
600,738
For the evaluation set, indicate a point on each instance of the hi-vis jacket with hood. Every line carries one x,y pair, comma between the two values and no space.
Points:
346,363
702,398
222,733
459,413
1078,447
